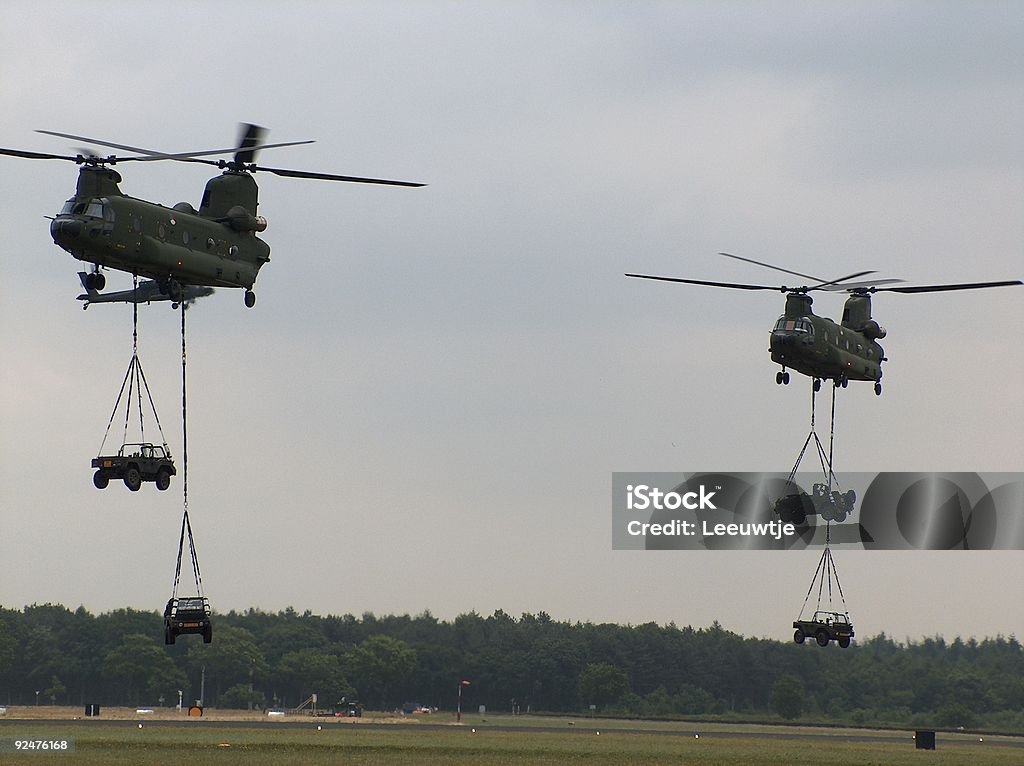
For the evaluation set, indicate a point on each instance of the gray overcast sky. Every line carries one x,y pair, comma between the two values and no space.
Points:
425,407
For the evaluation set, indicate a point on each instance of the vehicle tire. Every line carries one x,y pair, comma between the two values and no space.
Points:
208,634
168,636
100,480
822,638
799,636
133,479
844,641
785,513
163,479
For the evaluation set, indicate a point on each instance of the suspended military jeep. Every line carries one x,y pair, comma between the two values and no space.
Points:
135,463
187,615
825,627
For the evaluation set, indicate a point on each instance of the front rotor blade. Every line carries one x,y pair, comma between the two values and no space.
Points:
331,177
945,288
98,142
37,155
709,284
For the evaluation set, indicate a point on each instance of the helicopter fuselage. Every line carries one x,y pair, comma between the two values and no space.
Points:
820,348
100,225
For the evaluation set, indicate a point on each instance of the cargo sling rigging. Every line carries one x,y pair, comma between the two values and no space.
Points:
824,459
832,506
135,382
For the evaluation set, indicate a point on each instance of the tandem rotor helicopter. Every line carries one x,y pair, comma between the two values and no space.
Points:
818,347
178,247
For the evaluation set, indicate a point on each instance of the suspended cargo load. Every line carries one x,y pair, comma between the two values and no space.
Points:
826,499
135,461
827,623
184,615
824,627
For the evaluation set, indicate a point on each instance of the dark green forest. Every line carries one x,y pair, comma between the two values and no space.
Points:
52,655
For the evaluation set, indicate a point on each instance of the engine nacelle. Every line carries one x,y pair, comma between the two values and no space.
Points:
873,331
241,219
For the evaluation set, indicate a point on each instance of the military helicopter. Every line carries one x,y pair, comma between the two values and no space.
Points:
215,246
818,347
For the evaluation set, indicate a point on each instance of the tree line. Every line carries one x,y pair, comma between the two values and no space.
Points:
52,655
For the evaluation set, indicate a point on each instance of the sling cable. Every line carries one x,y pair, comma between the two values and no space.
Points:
186,614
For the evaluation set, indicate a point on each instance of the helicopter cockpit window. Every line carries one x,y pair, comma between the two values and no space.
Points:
801,325
93,208
69,207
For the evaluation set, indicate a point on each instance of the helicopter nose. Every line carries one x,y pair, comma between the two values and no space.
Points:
65,228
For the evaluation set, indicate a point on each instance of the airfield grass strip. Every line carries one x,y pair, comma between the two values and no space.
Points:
366,746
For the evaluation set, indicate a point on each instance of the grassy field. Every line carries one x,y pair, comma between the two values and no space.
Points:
108,741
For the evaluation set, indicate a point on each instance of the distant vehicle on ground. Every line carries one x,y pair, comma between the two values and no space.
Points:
187,615
135,463
825,627
415,708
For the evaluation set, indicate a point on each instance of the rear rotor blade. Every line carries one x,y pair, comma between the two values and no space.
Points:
731,285
331,177
252,135
945,288
824,285
770,266
853,286
152,154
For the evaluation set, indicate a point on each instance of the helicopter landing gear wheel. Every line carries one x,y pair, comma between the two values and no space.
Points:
817,385
782,378
250,299
878,389
173,289
95,281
